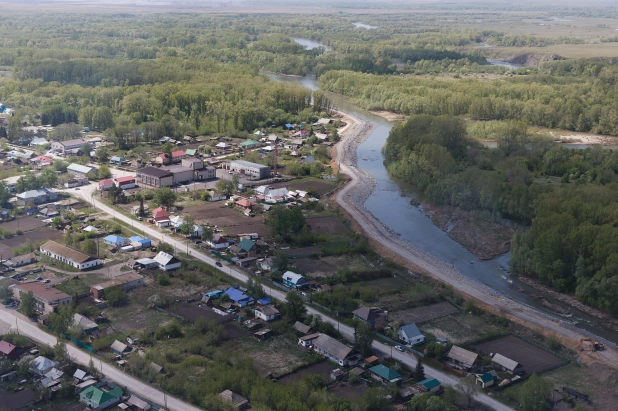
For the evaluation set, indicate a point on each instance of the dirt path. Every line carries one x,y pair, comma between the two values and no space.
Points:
351,199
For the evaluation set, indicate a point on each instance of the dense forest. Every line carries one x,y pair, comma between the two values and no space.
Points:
567,196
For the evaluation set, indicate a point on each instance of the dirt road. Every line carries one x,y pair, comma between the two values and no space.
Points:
351,198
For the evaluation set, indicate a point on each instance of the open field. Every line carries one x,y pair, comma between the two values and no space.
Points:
325,266
6,246
14,401
143,320
326,225
27,223
321,186
422,314
533,359
191,312
80,285
278,355
347,390
461,328
596,380
228,219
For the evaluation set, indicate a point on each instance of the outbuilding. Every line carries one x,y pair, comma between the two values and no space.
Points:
167,262
293,280
410,334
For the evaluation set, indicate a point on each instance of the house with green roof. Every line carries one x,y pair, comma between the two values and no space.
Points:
101,396
385,374
190,152
249,144
430,385
247,246
486,380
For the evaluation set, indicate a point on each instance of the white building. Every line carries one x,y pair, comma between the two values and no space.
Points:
81,171
267,313
410,334
253,170
68,146
69,256
167,262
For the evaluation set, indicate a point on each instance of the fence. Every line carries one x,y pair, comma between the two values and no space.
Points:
221,256
391,341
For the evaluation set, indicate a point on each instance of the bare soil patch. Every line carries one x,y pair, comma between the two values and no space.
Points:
326,225
228,219
390,116
422,314
7,245
143,320
482,238
322,369
533,359
27,223
233,331
191,312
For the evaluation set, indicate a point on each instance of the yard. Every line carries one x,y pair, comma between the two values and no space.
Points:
39,236
326,225
278,355
227,219
27,223
307,184
533,359
461,328
79,285
422,314
322,369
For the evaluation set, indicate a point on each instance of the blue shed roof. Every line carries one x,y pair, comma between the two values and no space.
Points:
135,238
115,239
429,383
265,300
237,295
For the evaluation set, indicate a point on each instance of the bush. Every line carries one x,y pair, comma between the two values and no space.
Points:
163,279
116,297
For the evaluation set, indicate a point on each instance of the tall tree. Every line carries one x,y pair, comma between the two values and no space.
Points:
534,394
419,370
295,306
363,337
28,304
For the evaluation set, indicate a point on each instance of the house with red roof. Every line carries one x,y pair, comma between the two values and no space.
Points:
42,160
9,350
162,159
244,204
125,182
105,185
160,212
178,156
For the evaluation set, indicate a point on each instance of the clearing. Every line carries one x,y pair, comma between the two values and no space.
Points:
326,225
461,328
42,235
533,359
27,223
228,219
320,186
422,314
322,369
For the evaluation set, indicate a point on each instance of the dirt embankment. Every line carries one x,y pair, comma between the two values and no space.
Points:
484,239
525,59
608,320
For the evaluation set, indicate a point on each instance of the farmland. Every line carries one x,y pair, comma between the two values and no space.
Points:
423,314
461,328
533,359
227,219
27,223
40,235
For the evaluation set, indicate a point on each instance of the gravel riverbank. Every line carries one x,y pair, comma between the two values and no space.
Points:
351,198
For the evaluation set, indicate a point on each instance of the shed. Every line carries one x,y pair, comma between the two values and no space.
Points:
302,328
506,364
293,280
115,241
385,374
120,348
461,358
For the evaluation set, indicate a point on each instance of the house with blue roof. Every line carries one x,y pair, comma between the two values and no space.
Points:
239,298
145,242
214,294
289,126
115,241
265,301
410,334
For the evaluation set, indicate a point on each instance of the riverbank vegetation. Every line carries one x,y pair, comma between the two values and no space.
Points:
566,196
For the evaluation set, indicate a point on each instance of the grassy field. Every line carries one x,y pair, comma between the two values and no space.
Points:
461,328
79,285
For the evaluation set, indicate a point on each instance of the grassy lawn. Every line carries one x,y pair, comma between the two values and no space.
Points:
81,285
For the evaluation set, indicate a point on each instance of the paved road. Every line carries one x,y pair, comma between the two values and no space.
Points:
30,329
348,332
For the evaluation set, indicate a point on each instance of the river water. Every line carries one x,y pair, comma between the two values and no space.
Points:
390,203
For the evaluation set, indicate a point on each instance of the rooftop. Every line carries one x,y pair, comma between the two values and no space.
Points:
79,168
332,346
463,356
66,252
74,142
42,291
155,172
249,164
385,372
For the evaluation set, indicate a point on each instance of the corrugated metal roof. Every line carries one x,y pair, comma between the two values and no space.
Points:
505,362
463,356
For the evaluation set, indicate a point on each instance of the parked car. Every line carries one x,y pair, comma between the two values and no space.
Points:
399,348
218,264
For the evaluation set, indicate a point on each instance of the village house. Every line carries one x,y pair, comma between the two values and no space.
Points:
238,297
101,396
105,185
429,385
125,183
137,404
115,241
68,146
267,313
10,351
167,262
46,298
410,334
218,242
32,197
119,160
335,351
293,280
236,400
70,256
20,260
247,246
302,328
461,359
503,363
384,374
128,282
308,340
216,196
267,264
84,323
41,366
370,315
120,348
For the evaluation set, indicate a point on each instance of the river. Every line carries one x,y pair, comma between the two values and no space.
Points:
390,203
